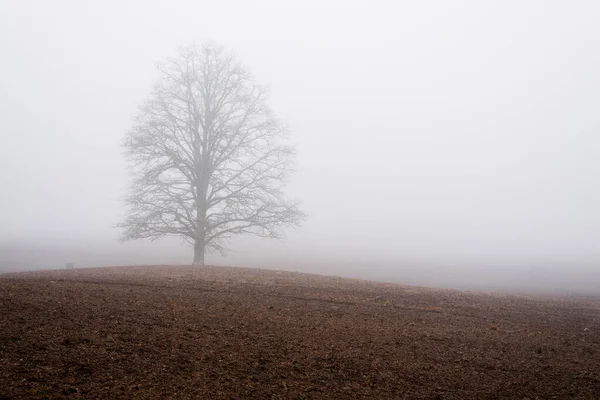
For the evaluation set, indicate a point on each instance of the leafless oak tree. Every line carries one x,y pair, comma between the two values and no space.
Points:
208,158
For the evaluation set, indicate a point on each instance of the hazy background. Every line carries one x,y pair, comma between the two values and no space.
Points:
448,143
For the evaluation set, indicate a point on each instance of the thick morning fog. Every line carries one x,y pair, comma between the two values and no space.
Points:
433,143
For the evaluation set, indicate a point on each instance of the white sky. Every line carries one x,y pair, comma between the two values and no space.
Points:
454,132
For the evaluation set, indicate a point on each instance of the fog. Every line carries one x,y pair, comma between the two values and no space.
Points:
449,144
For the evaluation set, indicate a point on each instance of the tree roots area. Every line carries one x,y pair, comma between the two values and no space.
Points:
234,333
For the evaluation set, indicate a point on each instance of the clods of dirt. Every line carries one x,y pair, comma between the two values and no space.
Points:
234,333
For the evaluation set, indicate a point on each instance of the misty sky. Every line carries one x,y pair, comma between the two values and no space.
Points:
450,132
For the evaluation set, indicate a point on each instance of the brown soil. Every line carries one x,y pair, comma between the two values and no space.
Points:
229,333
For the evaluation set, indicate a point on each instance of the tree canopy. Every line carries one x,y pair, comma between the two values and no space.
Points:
209,159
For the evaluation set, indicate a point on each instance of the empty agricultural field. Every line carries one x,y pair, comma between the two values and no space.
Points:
234,333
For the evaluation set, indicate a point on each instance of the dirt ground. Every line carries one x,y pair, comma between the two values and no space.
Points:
233,333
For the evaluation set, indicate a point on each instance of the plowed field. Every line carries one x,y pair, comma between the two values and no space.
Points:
233,333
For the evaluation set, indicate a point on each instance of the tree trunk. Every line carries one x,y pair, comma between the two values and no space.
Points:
199,253
201,188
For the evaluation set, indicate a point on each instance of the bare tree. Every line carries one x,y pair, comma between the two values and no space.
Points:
208,157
